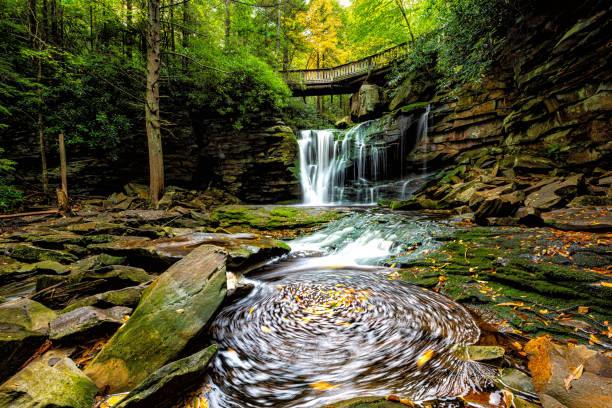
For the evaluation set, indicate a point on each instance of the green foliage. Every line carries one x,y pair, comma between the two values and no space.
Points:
10,198
241,86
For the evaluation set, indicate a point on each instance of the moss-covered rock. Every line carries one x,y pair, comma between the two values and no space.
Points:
30,253
244,250
268,218
48,383
162,388
24,326
128,297
172,311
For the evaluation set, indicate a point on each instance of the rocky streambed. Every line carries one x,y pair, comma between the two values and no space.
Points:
186,307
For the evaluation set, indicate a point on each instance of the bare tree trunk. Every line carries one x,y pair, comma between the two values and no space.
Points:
172,39
91,28
45,21
32,21
62,193
156,158
54,22
185,30
278,26
400,5
41,136
128,34
227,23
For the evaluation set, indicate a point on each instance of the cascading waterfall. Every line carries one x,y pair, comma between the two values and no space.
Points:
325,157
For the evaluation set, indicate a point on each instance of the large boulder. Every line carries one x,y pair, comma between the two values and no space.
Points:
244,250
569,377
52,381
24,326
162,388
172,311
580,219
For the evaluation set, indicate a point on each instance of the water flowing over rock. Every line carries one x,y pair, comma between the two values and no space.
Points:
322,334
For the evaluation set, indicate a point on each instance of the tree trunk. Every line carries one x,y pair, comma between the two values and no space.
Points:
172,39
45,21
55,37
227,23
32,20
41,136
91,28
185,31
278,27
403,11
156,158
128,31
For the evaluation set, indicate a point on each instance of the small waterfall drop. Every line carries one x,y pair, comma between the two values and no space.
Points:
327,155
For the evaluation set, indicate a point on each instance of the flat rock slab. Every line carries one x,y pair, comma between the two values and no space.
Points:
268,218
580,219
49,382
162,388
244,250
86,323
173,310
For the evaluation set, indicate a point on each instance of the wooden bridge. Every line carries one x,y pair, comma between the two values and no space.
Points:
345,78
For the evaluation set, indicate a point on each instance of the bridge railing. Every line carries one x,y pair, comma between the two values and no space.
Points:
354,68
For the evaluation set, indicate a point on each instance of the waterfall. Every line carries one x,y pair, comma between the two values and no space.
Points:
422,138
326,156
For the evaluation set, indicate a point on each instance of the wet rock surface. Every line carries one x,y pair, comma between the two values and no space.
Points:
169,383
51,381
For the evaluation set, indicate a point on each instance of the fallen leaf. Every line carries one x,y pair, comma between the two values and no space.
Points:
511,304
265,329
574,375
322,386
583,309
180,311
425,357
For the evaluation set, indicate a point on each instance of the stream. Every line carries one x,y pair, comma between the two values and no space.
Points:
328,322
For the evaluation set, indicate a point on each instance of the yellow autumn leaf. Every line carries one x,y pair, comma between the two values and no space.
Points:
511,304
425,357
265,329
322,386
606,284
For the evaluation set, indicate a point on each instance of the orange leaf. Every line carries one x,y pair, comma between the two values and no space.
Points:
425,357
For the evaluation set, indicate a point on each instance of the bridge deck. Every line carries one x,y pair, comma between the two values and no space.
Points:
345,78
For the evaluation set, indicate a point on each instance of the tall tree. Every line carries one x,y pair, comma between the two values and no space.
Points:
156,158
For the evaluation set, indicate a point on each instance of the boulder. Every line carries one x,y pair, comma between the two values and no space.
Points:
580,219
569,377
515,380
171,382
245,251
128,297
51,381
589,201
173,310
343,123
24,326
529,216
555,193
502,206
366,103
86,323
